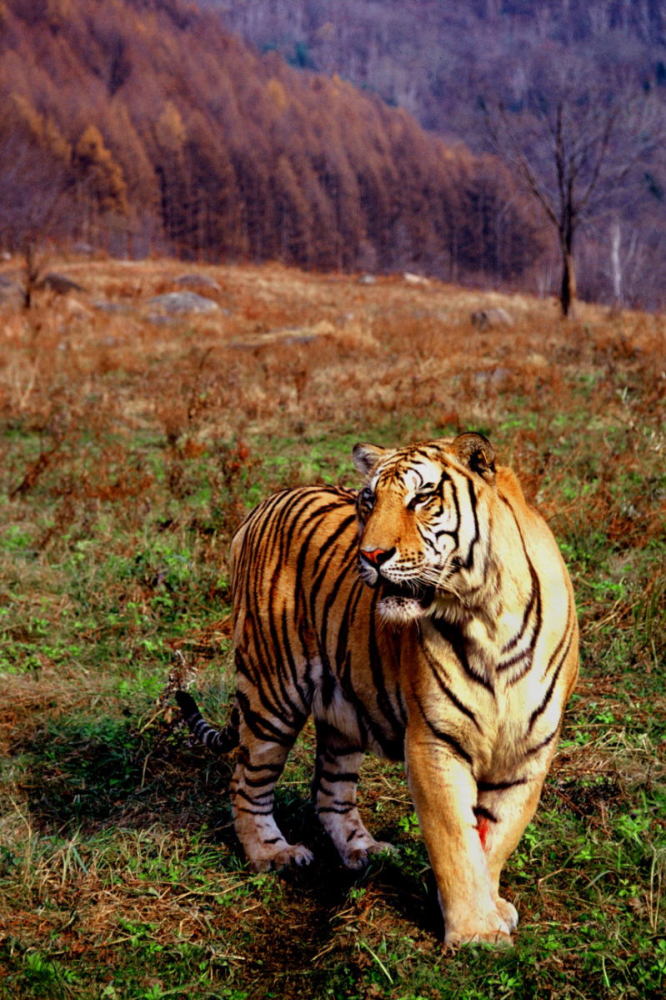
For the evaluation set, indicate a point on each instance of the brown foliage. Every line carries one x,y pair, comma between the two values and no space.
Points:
173,134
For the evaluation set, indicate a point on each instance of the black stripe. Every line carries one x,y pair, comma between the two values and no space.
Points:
254,799
259,767
348,522
293,721
451,634
534,603
342,658
296,674
549,693
451,741
535,595
383,698
332,595
260,727
432,663
265,533
542,744
486,813
341,776
566,637
327,731
349,752
469,562
279,652
259,782
499,786
516,658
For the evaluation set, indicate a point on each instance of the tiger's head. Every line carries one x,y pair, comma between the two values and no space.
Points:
424,523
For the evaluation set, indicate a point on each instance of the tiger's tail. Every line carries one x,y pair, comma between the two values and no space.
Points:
220,741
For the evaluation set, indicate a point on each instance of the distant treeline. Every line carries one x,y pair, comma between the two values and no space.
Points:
145,120
444,61
429,55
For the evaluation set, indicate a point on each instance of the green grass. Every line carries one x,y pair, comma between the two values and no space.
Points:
119,872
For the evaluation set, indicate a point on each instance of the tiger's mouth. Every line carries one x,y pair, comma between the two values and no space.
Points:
401,602
412,590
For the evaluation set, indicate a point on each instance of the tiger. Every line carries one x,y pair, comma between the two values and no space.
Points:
427,617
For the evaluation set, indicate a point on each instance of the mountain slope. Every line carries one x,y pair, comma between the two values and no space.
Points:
161,130
443,61
428,56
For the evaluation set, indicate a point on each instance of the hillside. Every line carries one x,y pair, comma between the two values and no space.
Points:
442,61
428,57
141,125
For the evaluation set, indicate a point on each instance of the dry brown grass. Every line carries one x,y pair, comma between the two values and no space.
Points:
292,350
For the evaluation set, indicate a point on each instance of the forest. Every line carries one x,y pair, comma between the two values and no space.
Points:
140,126
445,62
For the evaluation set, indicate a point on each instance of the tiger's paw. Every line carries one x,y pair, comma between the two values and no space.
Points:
507,912
498,939
489,929
286,856
359,856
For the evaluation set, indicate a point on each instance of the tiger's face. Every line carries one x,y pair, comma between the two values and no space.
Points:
422,520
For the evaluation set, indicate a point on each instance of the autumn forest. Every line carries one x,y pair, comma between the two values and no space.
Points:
144,127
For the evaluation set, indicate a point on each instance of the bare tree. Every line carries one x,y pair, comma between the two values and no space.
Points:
576,146
33,204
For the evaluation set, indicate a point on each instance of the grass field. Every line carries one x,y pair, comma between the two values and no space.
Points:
132,443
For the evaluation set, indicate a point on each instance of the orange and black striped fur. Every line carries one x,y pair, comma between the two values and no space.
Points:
430,617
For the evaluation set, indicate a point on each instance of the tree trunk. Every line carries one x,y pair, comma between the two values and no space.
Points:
31,270
616,264
568,286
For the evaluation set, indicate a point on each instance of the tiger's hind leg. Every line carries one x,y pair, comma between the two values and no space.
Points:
334,791
264,747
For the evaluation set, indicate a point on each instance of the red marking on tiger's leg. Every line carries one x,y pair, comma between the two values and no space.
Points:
513,808
483,826
444,793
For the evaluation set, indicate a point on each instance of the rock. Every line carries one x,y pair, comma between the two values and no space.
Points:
415,279
112,308
183,302
367,279
59,284
486,319
198,281
76,308
497,376
288,335
11,293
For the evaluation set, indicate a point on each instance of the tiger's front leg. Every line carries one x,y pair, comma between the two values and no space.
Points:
444,792
503,811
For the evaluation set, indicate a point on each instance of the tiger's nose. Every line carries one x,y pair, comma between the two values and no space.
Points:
377,556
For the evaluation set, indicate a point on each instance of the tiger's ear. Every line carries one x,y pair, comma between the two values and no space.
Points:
476,452
366,457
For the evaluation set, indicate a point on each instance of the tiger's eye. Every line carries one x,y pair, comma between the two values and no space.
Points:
421,499
367,496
